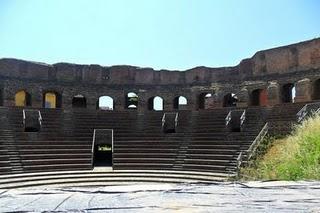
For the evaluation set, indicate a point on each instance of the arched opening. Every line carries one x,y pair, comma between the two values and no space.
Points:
132,100
51,100
105,103
22,98
103,155
288,93
316,90
180,102
230,100
155,103
206,101
259,97
79,101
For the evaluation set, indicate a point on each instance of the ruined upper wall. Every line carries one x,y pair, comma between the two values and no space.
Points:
291,58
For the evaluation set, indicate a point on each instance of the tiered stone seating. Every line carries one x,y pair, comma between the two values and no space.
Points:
201,142
282,118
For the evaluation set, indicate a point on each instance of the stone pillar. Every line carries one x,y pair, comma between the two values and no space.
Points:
91,103
303,90
273,91
167,103
243,98
142,101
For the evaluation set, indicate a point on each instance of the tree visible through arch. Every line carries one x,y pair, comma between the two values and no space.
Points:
132,100
105,103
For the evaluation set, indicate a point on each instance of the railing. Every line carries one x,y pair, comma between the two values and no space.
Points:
243,118
95,131
307,110
163,120
31,110
228,118
253,147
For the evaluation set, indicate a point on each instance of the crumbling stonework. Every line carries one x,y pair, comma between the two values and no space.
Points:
270,70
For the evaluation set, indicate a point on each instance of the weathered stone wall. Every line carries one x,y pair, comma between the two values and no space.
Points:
298,64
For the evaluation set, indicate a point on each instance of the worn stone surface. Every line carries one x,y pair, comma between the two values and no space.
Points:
142,197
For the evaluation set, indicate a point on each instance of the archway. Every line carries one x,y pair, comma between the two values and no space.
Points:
259,97
132,100
155,103
51,100
105,103
205,101
316,90
22,98
288,93
79,101
230,100
180,102
103,155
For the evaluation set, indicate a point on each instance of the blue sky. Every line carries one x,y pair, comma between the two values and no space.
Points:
163,34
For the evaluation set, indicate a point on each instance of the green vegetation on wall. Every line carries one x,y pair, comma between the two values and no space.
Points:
296,157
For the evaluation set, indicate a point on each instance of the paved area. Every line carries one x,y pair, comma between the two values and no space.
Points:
149,197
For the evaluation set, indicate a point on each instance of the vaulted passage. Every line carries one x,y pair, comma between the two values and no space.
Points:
105,103
205,101
103,155
132,100
180,103
22,98
52,100
155,103
316,90
79,101
230,100
288,93
259,97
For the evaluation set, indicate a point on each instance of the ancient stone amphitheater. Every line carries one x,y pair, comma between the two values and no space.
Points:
96,125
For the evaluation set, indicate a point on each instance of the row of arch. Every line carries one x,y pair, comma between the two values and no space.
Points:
258,97
53,100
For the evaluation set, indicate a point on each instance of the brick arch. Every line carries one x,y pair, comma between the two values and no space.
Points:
22,98
56,95
259,97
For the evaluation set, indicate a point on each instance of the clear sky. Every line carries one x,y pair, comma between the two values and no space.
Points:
163,34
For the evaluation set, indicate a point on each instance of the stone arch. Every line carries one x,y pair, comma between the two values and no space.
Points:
205,100
51,99
79,101
180,102
22,98
259,97
132,100
316,90
288,93
105,102
230,100
155,103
